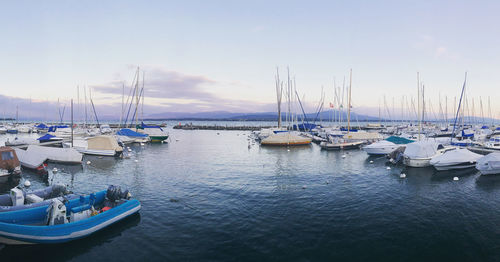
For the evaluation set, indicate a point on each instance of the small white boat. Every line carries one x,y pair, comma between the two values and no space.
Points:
489,164
459,158
493,143
384,147
105,129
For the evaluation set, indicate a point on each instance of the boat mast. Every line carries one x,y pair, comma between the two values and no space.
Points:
418,96
349,104
279,91
137,99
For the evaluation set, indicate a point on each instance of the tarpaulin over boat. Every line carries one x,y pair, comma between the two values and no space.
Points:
454,157
489,162
399,140
421,149
130,133
45,137
54,128
42,125
103,143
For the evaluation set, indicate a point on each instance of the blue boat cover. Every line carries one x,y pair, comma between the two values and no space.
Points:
46,137
42,125
484,127
467,135
130,133
54,128
399,140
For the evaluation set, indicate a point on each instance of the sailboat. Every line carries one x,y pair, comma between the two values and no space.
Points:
338,143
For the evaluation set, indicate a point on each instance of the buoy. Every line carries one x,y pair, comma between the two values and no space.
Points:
304,187
136,160
27,183
403,175
343,156
128,147
88,162
371,161
142,144
388,168
130,150
288,150
54,170
455,178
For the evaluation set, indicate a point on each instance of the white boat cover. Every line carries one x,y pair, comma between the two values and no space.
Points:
35,155
63,155
489,162
421,149
29,160
454,157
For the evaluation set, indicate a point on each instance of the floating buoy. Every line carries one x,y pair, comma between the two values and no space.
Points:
88,162
27,183
388,168
130,150
343,156
455,178
136,160
142,144
54,170
128,147
403,175
304,187
371,161
288,150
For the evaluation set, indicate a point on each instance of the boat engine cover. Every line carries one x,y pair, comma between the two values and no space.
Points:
17,196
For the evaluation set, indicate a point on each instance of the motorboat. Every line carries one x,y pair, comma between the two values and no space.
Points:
9,163
489,164
19,199
459,158
64,221
386,146
420,153
105,129
493,143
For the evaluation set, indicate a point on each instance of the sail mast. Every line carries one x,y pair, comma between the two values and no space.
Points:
349,104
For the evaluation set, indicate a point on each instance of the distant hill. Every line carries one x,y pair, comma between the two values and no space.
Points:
262,116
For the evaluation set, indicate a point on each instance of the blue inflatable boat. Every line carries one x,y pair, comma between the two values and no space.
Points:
66,221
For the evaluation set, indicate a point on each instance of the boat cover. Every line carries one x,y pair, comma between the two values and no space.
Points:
399,140
130,133
42,126
453,157
421,149
490,161
46,137
103,143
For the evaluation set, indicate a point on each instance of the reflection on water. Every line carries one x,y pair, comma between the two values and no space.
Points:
209,196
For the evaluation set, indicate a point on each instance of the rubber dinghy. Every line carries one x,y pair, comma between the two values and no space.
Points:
71,220
19,199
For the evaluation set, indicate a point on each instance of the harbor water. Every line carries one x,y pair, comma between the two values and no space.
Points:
218,196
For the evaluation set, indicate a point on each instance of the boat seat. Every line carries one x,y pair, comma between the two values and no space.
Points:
80,208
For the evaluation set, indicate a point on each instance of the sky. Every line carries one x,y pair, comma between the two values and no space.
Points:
200,56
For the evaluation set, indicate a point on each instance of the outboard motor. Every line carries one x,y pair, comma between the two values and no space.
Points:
56,213
114,196
58,191
396,156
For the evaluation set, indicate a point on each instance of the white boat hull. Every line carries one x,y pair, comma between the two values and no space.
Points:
417,162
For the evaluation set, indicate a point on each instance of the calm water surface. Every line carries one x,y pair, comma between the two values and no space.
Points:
207,196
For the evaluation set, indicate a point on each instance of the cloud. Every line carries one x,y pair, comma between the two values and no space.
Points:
161,83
